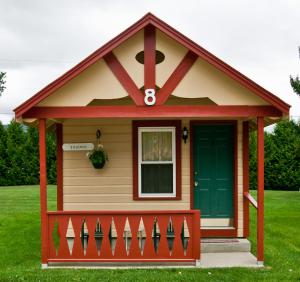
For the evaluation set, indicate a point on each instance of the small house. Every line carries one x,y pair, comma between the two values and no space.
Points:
152,151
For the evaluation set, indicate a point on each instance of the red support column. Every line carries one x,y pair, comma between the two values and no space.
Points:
149,57
43,189
59,165
196,237
260,189
246,176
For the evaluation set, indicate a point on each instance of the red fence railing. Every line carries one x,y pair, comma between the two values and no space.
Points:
123,236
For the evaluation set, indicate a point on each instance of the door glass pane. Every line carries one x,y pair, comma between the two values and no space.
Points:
157,178
157,146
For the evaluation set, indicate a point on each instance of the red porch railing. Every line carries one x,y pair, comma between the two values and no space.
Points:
123,236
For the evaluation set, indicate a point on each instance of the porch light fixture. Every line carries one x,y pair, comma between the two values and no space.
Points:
185,134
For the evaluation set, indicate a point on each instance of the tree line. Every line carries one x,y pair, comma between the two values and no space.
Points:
19,156
282,157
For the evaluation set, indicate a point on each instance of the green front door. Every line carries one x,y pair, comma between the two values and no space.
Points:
213,170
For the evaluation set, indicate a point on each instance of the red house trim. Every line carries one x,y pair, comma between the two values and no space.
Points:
216,232
59,165
43,188
246,177
156,123
152,112
260,189
168,30
149,57
124,78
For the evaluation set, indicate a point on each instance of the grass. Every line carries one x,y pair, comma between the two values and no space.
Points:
20,245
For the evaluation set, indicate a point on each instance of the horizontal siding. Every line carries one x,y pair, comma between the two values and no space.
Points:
138,205
106,189
110,188
86,188
105,180
107,198
88,172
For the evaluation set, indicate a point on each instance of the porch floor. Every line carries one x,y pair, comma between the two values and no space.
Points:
208,260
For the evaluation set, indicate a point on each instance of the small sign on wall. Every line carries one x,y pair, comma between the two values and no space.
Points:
78,147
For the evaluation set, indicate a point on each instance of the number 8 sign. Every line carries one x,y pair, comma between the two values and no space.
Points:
150,98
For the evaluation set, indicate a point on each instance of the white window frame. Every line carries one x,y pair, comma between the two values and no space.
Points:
171,129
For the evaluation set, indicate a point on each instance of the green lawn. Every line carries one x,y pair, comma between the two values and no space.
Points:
20,245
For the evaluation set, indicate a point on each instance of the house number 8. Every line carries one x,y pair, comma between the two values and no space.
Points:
150,98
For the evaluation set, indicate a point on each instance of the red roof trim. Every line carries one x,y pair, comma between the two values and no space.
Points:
168,30
153,112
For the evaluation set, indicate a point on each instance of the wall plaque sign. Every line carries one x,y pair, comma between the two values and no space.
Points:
78,146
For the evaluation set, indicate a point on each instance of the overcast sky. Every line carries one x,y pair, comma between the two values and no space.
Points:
40,40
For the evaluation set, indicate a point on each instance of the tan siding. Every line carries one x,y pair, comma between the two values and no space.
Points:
126,53
203,80
173,52
96,82
111,188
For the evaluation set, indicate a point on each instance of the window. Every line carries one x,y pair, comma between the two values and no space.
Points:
157,148
157,167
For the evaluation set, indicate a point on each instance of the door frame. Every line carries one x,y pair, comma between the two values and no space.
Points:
232,232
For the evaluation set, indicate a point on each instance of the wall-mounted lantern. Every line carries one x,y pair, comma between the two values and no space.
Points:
185,134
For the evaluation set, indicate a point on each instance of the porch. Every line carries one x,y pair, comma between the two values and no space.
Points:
139,237
133,239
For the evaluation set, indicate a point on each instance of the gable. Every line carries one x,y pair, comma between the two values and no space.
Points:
188,71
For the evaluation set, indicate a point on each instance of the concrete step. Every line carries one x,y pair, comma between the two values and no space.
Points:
220,245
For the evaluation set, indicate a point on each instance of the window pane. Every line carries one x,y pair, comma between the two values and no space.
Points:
157,146
157,178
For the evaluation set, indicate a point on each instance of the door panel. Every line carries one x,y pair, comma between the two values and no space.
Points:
213,170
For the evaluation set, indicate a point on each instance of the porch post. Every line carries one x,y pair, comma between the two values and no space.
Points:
59,166
246,177
260,190
43,189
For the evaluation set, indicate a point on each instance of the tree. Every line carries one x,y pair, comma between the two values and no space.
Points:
3,156
19,155
2,81
16,169
295,83
282,157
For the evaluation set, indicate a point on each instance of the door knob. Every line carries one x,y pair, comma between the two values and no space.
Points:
196,183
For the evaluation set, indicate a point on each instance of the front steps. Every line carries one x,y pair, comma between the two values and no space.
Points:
227,252
225,245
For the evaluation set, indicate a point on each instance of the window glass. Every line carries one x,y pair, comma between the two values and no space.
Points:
157,146
157,161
